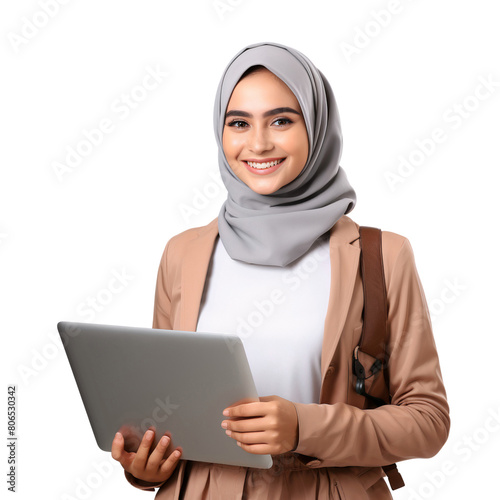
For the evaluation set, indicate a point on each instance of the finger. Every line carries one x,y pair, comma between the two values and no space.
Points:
258,449
143,451
159,452
249,437
247,425
118,450
246,410
171,462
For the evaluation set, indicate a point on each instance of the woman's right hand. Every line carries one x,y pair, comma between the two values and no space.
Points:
148,467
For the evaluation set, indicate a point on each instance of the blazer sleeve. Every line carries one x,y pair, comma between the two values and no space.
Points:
161,320
161,311
142,485
417,423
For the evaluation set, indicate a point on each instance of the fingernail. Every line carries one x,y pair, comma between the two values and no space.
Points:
228,433
149,434
225,413
224,425
164,440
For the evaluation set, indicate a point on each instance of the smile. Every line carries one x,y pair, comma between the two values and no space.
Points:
264,165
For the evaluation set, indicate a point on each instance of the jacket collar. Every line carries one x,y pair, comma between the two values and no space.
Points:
344,258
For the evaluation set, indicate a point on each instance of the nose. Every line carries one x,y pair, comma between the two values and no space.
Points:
259,139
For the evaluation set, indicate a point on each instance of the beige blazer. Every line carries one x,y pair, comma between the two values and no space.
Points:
338,432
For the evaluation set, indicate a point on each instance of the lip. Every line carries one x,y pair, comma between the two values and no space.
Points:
264,160
267,170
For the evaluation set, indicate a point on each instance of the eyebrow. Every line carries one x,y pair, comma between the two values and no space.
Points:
271,112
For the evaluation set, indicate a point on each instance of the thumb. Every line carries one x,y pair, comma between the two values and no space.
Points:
118,451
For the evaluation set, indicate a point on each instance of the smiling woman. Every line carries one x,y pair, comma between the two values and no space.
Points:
309,189
265,136
279,143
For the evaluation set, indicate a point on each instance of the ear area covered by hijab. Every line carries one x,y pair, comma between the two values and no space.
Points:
276,229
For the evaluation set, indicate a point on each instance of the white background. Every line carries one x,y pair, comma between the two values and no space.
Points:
62,237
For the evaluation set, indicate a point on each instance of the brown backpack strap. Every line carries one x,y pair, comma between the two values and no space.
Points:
394,476
374,331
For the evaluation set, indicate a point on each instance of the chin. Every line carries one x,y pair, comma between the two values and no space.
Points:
263,190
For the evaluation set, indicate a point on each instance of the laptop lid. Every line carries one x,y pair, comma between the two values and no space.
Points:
132,378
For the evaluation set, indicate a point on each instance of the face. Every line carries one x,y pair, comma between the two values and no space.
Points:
264,136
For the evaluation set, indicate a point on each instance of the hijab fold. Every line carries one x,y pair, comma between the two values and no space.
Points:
276,229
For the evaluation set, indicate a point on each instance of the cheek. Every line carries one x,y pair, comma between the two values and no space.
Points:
295,145
231,145
301,144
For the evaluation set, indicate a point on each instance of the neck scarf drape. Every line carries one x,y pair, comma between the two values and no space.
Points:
276,229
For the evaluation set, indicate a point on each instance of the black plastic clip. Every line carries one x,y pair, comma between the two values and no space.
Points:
360,373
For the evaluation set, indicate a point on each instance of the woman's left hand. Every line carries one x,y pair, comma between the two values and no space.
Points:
266,427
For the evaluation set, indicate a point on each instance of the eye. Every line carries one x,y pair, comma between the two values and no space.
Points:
234,122
285,120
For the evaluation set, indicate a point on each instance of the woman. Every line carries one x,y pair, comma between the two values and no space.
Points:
280,266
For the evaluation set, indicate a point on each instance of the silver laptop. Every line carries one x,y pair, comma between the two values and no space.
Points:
133,378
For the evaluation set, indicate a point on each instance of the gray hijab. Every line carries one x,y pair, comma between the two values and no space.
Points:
276,229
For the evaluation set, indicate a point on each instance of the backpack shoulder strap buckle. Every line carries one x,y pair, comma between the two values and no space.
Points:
394,477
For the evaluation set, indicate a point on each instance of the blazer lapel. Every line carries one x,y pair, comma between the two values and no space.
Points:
344,259
194,272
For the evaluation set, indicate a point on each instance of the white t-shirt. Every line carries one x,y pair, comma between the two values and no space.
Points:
279,314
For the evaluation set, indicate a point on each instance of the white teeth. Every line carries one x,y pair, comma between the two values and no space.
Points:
262,166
